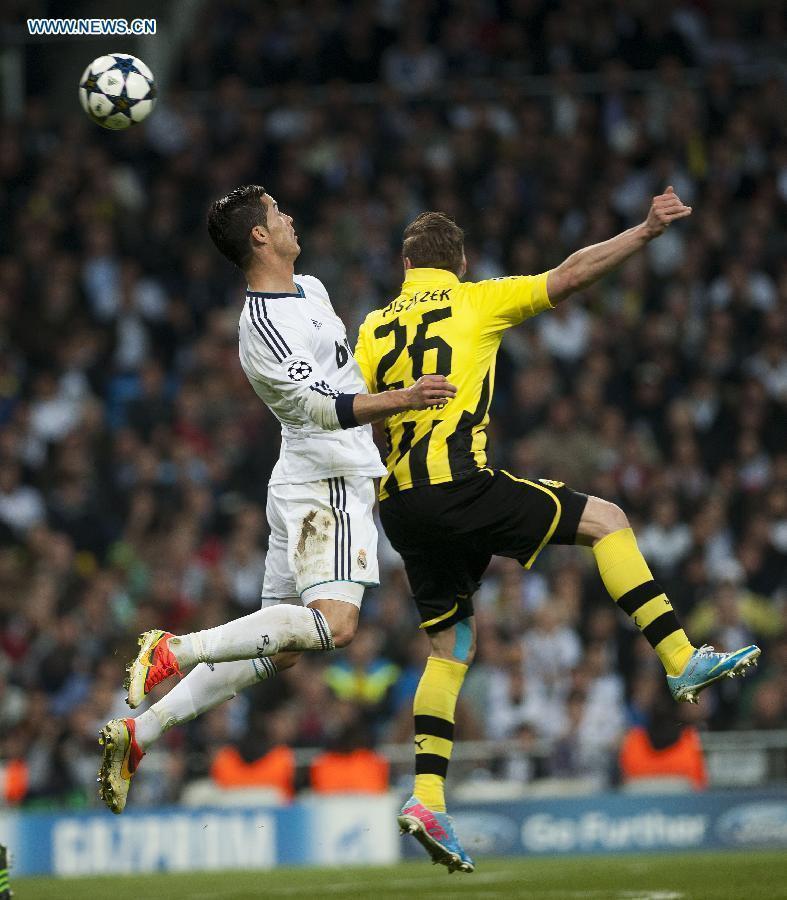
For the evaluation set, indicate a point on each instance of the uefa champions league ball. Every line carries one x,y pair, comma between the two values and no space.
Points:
117,90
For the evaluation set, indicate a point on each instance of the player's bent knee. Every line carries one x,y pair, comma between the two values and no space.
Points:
615,518
599,519
342,619
342,636
343,629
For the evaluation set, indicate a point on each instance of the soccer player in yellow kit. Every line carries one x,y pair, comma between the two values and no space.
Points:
447,513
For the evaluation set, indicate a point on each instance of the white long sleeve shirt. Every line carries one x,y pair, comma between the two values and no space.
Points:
294,351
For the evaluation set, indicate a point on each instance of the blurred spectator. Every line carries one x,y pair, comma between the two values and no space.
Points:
363,677
516,701
21,506
665,748
732,612
768,707
551,648
411,65
603,716
263,757
665,541
350,765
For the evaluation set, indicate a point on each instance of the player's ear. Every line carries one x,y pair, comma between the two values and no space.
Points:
407,263
259,235
463,267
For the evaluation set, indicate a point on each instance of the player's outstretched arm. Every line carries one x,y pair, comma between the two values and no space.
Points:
591,263
429,390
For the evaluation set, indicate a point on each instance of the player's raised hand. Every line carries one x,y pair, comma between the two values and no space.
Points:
664,210
429,390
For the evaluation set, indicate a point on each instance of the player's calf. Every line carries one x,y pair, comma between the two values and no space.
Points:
284,628
457,643
631,585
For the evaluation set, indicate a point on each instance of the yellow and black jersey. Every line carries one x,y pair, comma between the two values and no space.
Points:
439,325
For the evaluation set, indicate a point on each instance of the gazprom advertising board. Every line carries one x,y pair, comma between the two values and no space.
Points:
322,832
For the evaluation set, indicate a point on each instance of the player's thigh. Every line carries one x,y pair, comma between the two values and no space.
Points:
443,577
279,581
518,517
443,582
332,538
295,513
444,567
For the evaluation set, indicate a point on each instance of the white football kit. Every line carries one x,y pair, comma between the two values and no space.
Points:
323,541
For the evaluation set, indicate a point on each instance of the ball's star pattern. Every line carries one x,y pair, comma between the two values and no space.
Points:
123,103
125,64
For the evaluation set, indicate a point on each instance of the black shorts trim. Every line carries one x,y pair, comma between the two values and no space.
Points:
461,609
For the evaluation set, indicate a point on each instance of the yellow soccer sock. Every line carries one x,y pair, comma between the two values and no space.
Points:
630,584
433,708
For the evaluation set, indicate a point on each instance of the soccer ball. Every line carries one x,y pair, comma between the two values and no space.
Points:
117,90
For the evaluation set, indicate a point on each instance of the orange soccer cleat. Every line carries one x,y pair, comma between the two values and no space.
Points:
154,663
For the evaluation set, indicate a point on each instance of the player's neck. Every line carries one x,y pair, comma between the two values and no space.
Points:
276,277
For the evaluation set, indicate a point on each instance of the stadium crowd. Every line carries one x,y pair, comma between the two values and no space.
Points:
134,456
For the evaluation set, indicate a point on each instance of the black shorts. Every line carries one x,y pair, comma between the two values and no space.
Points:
448,533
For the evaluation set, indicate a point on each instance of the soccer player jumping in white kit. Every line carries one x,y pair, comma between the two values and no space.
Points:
323,542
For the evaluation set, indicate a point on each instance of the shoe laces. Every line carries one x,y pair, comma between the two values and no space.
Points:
166,664
707,651
168,668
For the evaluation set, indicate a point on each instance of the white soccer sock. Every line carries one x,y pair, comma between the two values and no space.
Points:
202,689
266,632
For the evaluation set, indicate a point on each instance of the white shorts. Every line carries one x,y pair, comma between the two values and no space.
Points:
323,541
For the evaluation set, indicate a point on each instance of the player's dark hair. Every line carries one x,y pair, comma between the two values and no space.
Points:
434,241
231,219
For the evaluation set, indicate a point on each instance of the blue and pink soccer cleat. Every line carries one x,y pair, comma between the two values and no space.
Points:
706,666
434,831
